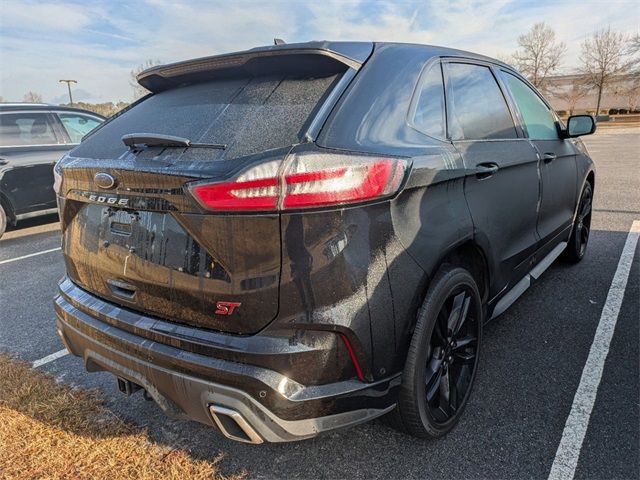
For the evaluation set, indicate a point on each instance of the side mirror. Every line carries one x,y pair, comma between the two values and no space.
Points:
578,125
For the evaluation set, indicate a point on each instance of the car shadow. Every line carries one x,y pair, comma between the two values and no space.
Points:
33,222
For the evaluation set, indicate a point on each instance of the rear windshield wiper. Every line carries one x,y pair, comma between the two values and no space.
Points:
158,140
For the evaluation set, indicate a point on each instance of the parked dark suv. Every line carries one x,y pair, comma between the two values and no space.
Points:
296,238
33,137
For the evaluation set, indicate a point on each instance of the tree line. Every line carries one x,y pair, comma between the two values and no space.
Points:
607,58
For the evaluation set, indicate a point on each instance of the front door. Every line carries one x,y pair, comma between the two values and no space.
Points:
29,149
558,169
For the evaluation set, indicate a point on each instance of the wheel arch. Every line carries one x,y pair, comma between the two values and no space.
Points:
591,178
471,256
6,204
468,254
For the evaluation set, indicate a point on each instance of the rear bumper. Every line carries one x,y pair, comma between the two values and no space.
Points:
188,384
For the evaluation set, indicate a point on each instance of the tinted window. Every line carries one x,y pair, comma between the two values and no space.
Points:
429,115
26,129
478,108
537,117
249,115
77,126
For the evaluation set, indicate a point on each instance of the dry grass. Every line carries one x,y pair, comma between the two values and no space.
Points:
50,431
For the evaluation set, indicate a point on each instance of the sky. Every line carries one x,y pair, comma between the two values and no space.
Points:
99,42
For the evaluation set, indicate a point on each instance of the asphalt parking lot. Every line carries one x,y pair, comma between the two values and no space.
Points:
533,361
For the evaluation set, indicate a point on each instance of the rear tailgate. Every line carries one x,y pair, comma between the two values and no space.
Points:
145,243
162,256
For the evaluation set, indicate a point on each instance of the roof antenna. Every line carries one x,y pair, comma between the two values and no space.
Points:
278,41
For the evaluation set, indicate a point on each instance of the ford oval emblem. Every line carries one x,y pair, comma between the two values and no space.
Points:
104,180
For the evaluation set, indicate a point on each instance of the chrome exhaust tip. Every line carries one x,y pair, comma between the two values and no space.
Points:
233,425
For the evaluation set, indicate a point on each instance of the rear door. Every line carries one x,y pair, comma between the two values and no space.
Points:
29,147
146,243
558,167
502,190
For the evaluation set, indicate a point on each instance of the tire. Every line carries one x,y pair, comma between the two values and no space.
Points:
577,245
3,221
422,407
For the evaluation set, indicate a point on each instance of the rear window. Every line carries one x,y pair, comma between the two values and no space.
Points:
249,115
28,128
429,114
478,108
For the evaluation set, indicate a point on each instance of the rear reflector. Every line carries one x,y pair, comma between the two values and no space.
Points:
307,181
354,359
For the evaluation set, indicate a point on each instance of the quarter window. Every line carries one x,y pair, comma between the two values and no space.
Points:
26,129
538,118
77,126
429,116
478,108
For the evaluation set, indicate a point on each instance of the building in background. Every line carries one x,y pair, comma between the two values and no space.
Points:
568,94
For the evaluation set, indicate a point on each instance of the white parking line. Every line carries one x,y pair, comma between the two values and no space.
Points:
30,255
50,358
566,460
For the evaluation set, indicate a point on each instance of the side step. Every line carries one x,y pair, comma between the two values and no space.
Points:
520,287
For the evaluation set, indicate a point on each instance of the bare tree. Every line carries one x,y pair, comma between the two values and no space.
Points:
539,55
629,89
633,50
138,90
634,43
603,57
578,89
33,97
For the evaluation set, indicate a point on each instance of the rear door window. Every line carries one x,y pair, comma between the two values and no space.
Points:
537,117
78,125
478,110
248,115
429,113
26,128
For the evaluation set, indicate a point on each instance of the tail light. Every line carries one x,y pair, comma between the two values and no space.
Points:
304,181
256,189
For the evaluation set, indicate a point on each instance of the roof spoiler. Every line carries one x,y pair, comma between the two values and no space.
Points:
301,58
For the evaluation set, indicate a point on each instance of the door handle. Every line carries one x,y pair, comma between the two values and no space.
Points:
548,157
485,170
3,161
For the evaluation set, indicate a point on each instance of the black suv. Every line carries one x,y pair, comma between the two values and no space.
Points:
296,238
33,137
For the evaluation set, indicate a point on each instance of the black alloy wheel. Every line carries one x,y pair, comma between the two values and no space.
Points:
443,356
453,356
577,245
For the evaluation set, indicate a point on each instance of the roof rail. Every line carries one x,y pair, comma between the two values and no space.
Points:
23,104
